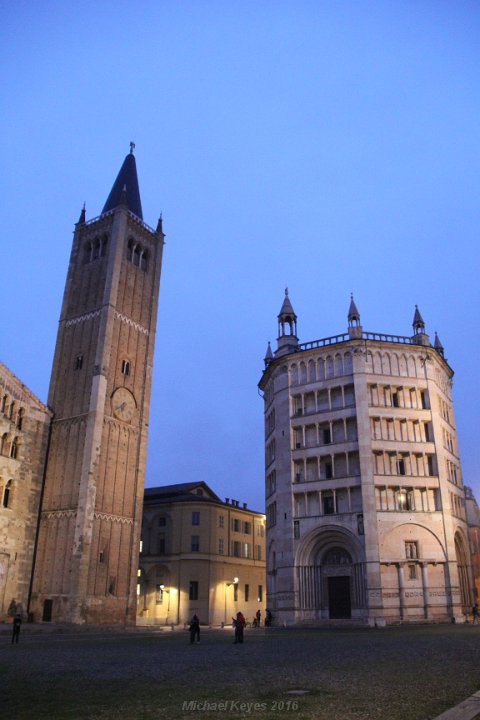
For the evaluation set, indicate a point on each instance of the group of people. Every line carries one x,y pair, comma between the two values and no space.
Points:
238,623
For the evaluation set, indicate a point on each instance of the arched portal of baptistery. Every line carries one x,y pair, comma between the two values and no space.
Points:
331,577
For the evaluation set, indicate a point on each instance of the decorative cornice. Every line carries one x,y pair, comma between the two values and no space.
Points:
132,323
113,518
82,318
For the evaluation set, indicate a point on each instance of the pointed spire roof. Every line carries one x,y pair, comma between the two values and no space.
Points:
353,313
269,354
418,322
125,189
81,219
438,345
287,308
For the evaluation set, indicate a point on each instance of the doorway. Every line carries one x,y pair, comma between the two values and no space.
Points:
339,602
47,610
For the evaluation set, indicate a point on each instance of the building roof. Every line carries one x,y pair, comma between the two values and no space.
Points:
125,190
187,492
7,376
181,492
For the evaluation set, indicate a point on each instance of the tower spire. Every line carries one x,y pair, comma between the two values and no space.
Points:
354,328
287,327
125,190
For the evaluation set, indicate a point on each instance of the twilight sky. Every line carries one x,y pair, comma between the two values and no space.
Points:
333,147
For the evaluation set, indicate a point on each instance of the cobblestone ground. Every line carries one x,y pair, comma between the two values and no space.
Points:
402,673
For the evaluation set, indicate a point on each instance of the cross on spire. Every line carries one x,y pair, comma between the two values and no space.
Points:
132,148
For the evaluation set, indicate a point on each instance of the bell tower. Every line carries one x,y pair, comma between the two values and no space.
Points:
87,553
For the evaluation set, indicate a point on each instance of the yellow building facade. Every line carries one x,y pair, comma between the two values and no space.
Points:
199,555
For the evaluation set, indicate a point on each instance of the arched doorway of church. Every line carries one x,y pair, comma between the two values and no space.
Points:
337,570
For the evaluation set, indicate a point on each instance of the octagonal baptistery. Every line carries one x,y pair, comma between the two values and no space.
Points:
364,494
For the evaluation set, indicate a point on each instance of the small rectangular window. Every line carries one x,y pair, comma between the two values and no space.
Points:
221,521
247,592
260,593
247,528
236,525
193,590
412,572
78,362
195,544
296,529
235,592
195,517
125,367
159,595
221,546
161,544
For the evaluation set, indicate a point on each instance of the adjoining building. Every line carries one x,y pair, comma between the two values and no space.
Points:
473,521
24,432
200,556
364,495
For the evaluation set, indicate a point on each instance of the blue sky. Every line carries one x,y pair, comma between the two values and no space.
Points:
329,146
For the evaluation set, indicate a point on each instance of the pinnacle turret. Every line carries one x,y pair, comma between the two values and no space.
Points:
287,326
268,355
438,345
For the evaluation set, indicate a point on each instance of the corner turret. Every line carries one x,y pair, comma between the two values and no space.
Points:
354,328
420,337
287,340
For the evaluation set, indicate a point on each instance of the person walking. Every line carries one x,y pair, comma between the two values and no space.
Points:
258,617
475,614
194,629
17,623
239,623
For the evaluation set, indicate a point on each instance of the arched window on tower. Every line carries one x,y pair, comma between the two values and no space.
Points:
4,444
14,447
126,367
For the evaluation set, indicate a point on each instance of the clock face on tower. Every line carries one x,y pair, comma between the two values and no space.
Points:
123,404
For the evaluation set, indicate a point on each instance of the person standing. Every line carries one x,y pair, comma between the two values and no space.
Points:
194,629
17,623
239,623
258,617
475,614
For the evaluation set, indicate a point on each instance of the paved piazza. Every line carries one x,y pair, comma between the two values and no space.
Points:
409,673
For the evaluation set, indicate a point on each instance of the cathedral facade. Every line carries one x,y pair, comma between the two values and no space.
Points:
364,495
87,555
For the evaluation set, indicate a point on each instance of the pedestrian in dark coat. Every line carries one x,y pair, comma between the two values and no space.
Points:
239,623
194,629
17,622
